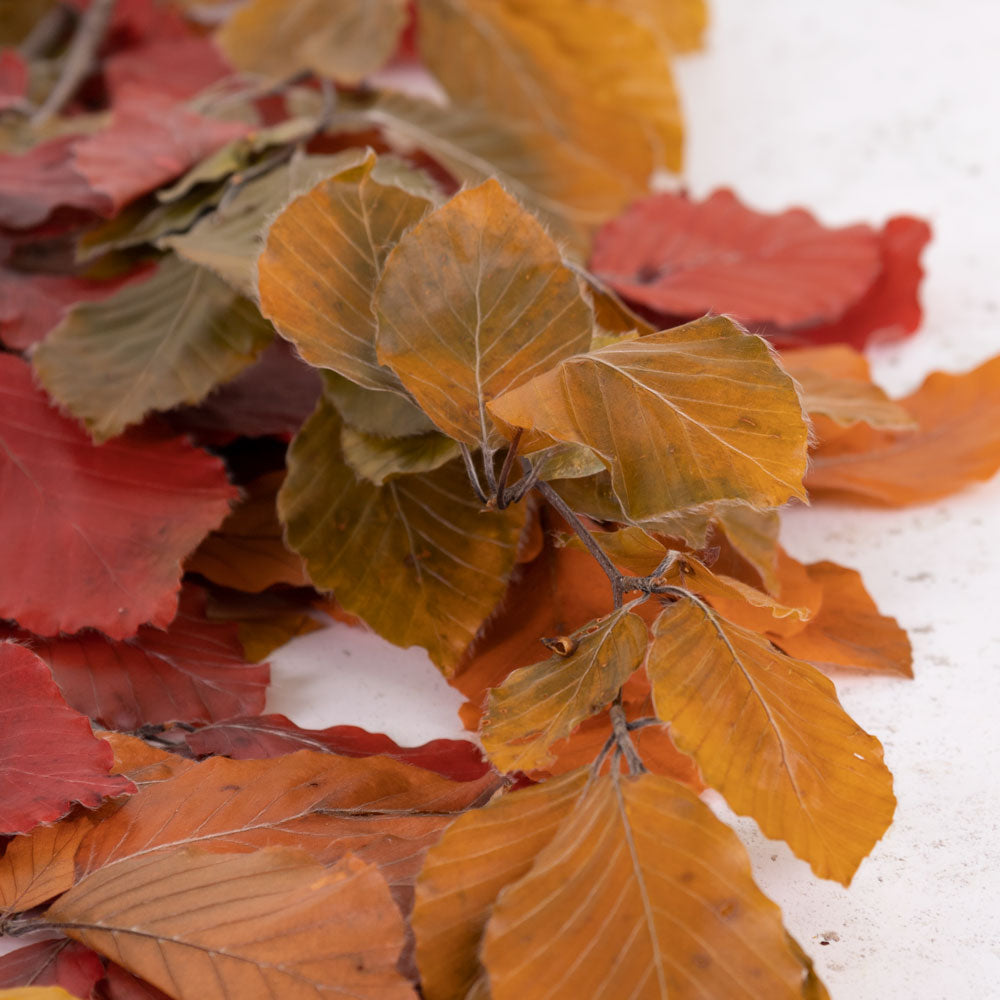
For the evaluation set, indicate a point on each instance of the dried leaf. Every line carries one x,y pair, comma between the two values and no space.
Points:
49,757
208,926
372,411
429,580
177,67
683,417
57,962
473,301
379,459
104,527
36,993
167,340
679,24
536,706
768,733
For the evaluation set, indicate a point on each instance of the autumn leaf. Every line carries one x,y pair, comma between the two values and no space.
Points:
194,671
56,962
537,705
178,67
654,898
49,757
768,733
379,459
36,993
105,527
122,985
957,442
207,926
322,259
383,414
428,580
685,258
683,417
165,341
473,301
680,24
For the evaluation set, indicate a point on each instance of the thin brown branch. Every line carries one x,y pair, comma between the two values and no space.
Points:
502,497
619,727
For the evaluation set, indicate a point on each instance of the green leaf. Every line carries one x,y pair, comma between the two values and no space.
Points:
378,459
538,705
474,300
683,417
374,411
152,346
417,558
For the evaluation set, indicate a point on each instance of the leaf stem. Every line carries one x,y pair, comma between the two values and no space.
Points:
470,471
623,739
502,496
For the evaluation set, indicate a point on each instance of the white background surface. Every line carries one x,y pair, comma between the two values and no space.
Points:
857,110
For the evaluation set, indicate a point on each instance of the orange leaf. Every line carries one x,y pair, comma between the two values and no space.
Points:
768,733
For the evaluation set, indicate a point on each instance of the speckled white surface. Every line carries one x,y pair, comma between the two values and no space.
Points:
858,110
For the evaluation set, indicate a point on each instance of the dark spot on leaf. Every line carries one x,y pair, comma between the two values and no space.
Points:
729,908
701,960
230,788
647,274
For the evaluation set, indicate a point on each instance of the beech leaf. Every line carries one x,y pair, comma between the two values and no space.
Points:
654,899
56,962
680,24
379,459
684,417
768,733
383,414
49,758
153,345
206,926
685,258
537,705
473,301
104,527
323,257
428,580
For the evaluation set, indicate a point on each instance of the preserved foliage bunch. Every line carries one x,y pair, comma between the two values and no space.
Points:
282,337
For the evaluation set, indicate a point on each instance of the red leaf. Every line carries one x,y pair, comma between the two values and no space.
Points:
890,309
195,671
33,304
57,962
96,534
275,735
687,258
122,985
13,78
49,757
150,141
178,67
134,21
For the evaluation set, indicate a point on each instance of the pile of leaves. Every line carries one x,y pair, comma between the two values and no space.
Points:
281,341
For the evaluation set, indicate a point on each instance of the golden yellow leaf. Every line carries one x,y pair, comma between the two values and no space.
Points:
687,416
768,733
473,301
207,926
342,39
36,993
754,536
680,24
479,854
425,579
321,261
538,705
653,899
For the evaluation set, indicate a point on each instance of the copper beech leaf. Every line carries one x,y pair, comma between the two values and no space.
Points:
768,733
56,962
684,417
105,526
321,261
39,866
343,40
686,258
479,855
49,758
473,301
654,899
154,345
537,705
426,578
275,922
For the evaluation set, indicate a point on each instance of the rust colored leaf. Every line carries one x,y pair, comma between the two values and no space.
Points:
957,442
537,705
683,417
686,258
57,962
248,552
195,671
848,630
479,855
428,580
768,733
49,757
321,262
474,301
653,897
261,736
208,926
122,985
104,527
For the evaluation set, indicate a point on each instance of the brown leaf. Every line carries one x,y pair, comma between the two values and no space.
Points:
653,897
683,417
768,733
206,926
473,301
